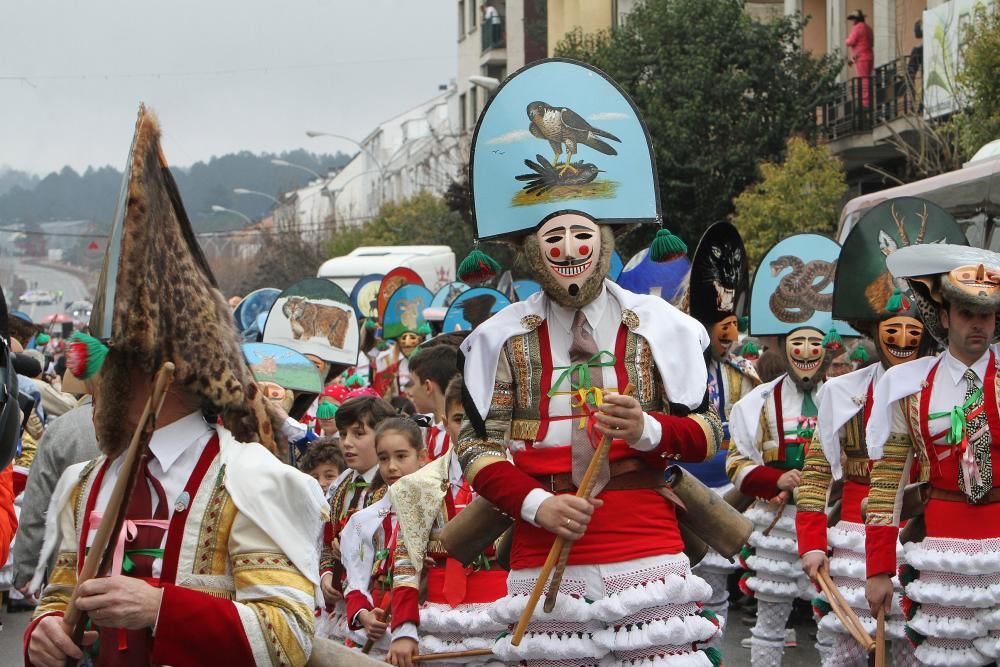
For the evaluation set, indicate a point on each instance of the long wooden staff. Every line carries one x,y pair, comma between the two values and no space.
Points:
587,486
371,642
843,611
99,558
880,639
428,657
560,548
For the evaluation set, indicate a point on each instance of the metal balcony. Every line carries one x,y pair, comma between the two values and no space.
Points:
494,34
863,103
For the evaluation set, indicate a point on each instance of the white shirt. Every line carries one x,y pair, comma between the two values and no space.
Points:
949,387
176,448
604,319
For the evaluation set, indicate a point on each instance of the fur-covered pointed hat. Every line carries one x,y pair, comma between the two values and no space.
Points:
158,301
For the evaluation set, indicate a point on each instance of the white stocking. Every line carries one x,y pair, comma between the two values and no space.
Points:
846,652
767,644
719,602
902,653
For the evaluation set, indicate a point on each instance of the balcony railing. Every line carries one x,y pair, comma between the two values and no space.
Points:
863,103
493,33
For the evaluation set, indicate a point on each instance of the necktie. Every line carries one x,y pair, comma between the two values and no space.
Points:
120,647
582,351
975,471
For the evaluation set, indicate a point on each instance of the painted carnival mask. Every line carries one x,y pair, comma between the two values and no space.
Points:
569,256
899,339
408,342
724,335
805,355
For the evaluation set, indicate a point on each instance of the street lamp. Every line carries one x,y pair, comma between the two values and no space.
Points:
222,209
244,191
487,82
312,134
284,163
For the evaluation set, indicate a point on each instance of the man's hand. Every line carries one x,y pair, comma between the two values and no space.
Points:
374,623
789,480
120,602
50,643
330,594
402,651
566,515
621,417
878,592
813,562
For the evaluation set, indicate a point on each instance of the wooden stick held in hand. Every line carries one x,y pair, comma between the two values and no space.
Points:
453,655
560,545
843,611
100,556
777,513
880,639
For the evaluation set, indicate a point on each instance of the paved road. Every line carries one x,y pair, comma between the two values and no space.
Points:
14,626
46,278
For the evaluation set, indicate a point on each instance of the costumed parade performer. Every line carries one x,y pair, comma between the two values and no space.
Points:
771,426
216,554
544,379
404,326
717,296
941,414
866,296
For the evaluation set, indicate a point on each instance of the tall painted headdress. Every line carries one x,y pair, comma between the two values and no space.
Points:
158,301
719,282
315,317
9,411
559,136
793,288
865,290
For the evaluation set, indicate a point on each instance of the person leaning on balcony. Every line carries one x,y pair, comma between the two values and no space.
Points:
860,42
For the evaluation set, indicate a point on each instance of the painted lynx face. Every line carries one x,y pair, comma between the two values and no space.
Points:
728,261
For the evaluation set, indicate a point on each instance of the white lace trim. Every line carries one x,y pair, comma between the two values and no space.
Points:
692,659
848,568
674,631
673,589
989,646
465,619
781,590
775,568
714,562
784,548
844,536
894,629
550,646
953,595
855,596
930,654
946,627
968,557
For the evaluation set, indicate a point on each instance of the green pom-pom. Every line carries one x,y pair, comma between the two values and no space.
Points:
714,655
477,267
860,354
42,339
832,340
750,350
355,380
666,246
821,606
743,323
710,615
85,355
371,324
326,410
424,329
907,574
897,302
915,637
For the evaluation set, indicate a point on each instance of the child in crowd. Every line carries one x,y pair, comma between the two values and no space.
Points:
431,370
357,487
454,615
323,461
370,537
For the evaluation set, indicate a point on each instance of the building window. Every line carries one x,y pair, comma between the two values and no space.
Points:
473,15
463,120
461,18
473,112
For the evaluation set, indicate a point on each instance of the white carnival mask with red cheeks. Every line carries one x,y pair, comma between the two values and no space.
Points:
804,352
570,245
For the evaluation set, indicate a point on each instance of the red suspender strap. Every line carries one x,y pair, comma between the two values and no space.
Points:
95,490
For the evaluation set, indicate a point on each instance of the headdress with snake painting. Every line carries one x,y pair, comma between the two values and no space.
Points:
792,296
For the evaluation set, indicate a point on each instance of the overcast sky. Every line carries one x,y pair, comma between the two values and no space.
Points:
223,75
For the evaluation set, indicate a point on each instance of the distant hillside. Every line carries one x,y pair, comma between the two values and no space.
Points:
67,195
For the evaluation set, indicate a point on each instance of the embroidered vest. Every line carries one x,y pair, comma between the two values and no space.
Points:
939,460
783,446
852,439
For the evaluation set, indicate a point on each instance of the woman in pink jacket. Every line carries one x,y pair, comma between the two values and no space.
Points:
860,42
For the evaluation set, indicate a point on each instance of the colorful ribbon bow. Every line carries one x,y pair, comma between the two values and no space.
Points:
120,562
957,431
582,371
807,426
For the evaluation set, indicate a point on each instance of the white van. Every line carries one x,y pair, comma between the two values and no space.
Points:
435,264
